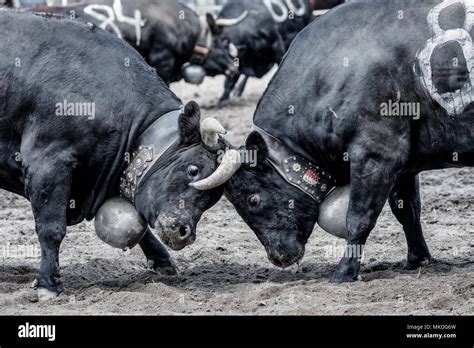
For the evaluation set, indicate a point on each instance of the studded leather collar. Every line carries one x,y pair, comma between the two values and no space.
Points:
297,170
151,145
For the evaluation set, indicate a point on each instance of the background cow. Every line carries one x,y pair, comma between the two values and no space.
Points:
262,31
325,4
166,33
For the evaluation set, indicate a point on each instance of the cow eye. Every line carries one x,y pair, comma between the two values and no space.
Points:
193,171
254,200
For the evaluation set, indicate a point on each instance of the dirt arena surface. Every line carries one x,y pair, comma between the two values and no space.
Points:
227,272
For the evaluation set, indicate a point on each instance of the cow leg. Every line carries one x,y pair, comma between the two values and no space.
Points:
228,87
48,188
406,206
165,64
241,86
159,260
370,186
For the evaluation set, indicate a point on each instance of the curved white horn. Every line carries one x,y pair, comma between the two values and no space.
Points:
210,130
228,22
230,164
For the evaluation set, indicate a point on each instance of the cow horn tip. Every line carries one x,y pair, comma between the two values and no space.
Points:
196,186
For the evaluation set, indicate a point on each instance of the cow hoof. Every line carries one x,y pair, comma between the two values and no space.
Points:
339,278
34,285
46,295
223,102
411,266
414,262
167,271
168,268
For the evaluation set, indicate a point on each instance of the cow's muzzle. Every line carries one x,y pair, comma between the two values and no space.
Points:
175,232
285,259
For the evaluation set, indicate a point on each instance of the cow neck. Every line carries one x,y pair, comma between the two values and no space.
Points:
203,44
148,149
297,170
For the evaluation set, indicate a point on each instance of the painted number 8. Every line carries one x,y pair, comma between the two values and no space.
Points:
298,11
453,102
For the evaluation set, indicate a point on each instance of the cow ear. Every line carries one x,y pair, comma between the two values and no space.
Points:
189,123
215,29
255,142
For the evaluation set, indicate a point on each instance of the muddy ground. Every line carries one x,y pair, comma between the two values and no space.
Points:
226,271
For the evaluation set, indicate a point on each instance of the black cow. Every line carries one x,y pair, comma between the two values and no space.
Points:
262,31
325,4
75,103
391,99
167,34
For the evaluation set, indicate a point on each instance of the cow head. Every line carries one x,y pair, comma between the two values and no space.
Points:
164,198
281,216
223,57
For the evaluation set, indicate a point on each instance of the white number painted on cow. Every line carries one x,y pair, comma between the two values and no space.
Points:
284,9
113,14
453,102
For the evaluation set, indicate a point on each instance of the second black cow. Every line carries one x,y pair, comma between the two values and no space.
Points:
167,34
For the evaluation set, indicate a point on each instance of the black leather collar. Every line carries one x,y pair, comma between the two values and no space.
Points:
151,145
297,170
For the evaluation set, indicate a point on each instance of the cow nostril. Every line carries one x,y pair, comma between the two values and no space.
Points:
277,262
184,232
